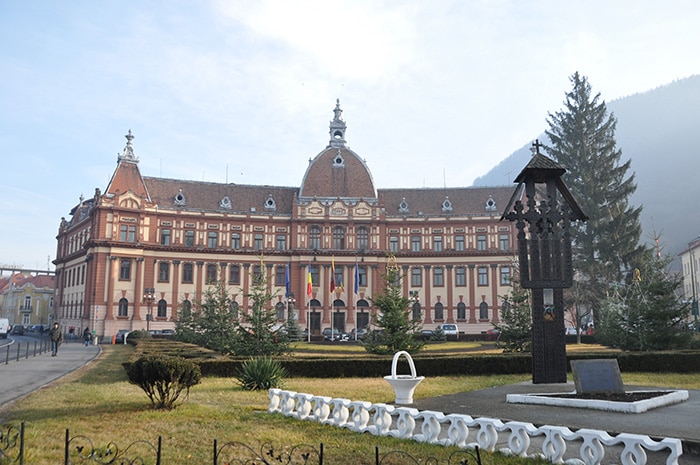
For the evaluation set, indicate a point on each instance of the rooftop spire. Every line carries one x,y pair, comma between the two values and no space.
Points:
337,127
128,153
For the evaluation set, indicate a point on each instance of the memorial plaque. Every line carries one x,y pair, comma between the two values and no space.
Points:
599,375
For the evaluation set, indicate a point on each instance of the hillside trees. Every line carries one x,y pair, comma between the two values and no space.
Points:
582,139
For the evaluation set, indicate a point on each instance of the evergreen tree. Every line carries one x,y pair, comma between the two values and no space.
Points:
646,313
258,336
397,328
516,318
212,321
582,137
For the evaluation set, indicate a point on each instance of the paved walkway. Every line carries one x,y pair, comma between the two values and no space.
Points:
21,377
681,421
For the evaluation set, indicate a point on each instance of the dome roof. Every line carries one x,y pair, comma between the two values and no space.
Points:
337,171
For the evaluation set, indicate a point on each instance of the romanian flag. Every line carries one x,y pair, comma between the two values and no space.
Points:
309,285
332,274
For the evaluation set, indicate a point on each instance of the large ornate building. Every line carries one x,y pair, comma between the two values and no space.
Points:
131,256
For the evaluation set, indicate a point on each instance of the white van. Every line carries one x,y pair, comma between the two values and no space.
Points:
449,330
4,327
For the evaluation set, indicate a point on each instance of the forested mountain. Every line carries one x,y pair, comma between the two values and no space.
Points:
659,130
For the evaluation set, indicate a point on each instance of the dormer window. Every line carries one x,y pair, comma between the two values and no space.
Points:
490,204
403,206
225,203
338,161
179,199
270,203
446,205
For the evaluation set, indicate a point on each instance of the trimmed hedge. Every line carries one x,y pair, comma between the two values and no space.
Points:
434,365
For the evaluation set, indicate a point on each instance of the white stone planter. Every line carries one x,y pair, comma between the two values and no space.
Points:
404,385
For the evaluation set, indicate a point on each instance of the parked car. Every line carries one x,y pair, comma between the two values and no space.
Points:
426,334
331,335
121,334
168,332
361,334
449,330
570,331
4,327
18,330
492,334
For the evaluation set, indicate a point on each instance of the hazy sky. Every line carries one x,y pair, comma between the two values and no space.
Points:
434,92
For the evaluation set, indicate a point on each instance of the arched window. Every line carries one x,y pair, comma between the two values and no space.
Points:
461,311
416,311
362,238
186,308
338,303
234,309
123,307
483,311
279,310
315,237
339,237
162,308
439,311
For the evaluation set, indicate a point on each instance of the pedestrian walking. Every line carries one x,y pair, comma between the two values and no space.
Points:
56,337
87,336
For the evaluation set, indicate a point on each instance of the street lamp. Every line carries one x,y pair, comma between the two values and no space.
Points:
149,295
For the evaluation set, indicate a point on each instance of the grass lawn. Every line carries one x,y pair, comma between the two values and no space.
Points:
97,401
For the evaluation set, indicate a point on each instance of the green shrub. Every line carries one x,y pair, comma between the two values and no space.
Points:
163,378
261,373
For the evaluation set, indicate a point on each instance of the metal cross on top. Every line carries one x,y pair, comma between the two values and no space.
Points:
543,220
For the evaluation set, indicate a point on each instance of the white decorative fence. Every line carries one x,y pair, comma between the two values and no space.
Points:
464,431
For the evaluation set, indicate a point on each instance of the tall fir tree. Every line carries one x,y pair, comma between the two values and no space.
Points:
582,139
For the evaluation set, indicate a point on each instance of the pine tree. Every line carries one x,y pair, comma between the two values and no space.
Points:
646,313
516,320
397,327
582,137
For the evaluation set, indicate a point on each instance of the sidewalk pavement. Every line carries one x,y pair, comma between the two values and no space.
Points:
21,377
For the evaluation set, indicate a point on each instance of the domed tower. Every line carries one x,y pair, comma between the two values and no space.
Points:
337,172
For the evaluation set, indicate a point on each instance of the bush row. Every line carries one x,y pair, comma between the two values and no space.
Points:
670,362
426,365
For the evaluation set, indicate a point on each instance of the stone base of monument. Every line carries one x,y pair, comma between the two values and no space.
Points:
599,386
646,400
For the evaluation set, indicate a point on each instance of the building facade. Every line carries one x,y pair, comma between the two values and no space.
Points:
690,265
27,296
131,256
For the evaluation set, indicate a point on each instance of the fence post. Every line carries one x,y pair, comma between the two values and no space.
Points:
21,443
65,450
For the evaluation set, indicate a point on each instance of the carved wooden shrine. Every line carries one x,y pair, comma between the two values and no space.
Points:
543,221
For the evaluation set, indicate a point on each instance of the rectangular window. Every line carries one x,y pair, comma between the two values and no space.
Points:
505,276
362,276
163,272
125,270
258,242
504,241
438,277
460,276
212,239
165,237
211,273
122,232
416,277
415,243
281,242
189,238
481,242
393,244
362,238
234,275
437,244
187,273
483,276
315,278
235,241
459,243
280,276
